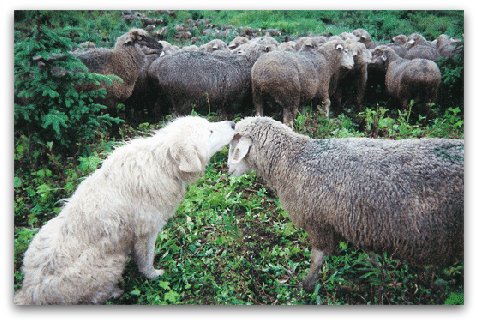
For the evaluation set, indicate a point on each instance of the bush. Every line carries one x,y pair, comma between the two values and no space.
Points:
53,106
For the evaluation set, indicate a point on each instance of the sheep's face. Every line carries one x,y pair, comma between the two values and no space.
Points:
237,159
362,35
399,40
415,39
236,42
141,40
346,58
380,55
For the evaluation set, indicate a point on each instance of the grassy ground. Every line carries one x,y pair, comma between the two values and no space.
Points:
232,243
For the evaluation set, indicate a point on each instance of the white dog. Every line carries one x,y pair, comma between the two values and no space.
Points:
79,256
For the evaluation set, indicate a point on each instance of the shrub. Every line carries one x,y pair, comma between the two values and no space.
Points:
52,106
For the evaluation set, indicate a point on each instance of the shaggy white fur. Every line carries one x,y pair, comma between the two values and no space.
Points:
79,256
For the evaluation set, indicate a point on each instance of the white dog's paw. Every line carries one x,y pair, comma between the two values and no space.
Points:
155,273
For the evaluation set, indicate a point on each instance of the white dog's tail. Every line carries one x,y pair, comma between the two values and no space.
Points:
23,297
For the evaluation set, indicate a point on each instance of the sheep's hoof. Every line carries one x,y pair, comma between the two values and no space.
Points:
308,285
154,274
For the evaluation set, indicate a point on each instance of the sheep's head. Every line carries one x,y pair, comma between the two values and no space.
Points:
359,52
444,40
236,42
346,57
382,55
362,35
400,39
348,36
415,39
213,45
253,50
141,40
238,150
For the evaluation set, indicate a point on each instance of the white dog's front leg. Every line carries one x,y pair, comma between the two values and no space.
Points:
144,255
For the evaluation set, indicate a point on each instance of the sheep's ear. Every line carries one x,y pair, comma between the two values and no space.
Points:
240,150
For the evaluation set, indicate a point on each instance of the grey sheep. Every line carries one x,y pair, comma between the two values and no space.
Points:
128,59
364,37
419,47
205,81
405,197
213,45
405,79
399,45
290,46
237,41
168,48
352,83
291,79
310,42
446,46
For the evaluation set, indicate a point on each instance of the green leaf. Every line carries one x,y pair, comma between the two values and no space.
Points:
171,296
55,119
135,292
17,182
164,285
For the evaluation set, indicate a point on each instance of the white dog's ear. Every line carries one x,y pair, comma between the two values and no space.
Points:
190,159
240,150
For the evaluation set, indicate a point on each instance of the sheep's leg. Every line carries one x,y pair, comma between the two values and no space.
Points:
316,261
288,117
258,103
144,255
325,108
361,87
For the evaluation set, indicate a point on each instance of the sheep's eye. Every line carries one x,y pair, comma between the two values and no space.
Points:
210,132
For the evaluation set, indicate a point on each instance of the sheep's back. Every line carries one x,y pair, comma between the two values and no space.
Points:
203,78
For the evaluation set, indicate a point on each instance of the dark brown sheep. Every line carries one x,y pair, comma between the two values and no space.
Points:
129,59
294,78
405,79
405,197
352,83
205,81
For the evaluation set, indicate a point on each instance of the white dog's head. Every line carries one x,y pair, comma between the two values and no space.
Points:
192,141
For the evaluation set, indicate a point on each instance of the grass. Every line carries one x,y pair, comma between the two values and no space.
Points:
232,243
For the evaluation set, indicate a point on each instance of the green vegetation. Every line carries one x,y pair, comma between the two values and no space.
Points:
231,242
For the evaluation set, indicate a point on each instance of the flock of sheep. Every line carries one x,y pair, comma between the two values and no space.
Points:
230,78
